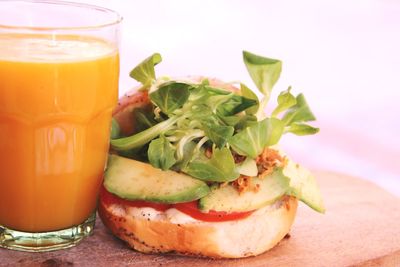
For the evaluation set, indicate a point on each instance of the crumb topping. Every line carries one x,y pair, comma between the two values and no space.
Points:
266,162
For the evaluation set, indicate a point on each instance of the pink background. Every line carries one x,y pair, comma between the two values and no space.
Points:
343,55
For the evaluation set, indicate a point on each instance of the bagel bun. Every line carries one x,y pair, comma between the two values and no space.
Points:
150,231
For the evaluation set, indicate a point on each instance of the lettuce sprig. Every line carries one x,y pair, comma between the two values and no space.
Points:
190,119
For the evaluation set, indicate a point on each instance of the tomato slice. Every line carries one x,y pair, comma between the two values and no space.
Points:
189,208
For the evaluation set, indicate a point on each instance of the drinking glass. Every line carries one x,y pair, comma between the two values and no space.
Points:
59,69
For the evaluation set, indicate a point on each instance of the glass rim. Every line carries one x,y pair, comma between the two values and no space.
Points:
117,17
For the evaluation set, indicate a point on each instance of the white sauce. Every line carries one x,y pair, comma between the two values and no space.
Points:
173,215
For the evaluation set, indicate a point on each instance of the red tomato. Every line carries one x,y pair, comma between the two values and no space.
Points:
189,208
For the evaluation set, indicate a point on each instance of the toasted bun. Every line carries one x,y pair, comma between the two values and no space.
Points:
149,231
251,236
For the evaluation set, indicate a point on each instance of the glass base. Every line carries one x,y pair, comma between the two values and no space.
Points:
47,241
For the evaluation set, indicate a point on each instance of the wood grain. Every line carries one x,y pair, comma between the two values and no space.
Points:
360,228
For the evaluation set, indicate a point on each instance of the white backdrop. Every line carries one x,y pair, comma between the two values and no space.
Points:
343,55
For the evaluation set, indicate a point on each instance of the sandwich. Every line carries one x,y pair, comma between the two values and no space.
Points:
195,167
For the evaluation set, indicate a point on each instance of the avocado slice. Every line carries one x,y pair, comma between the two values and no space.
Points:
134,180
303,186
227,198
292,180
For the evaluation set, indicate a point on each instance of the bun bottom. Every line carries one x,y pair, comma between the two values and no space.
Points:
251,236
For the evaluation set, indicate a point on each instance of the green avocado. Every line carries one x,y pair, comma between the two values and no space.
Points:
303,186
292,180
134,180
227,198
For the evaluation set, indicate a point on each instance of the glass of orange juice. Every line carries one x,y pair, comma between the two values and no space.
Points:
59,69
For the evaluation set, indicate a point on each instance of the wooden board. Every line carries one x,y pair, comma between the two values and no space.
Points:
361,228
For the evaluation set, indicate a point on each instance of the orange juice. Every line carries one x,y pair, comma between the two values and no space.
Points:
55,112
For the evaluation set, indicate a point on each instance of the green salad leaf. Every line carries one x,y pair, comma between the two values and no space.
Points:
300,128
189,151
218,134
297,115
188,118
252,140
235,104
264,71
219,168
144,119
171,96
285,101
138,140
239,122
115,129
161,153
275,130
144,72
223,102
248,93
300,112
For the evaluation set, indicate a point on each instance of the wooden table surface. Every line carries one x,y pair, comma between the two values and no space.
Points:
360,228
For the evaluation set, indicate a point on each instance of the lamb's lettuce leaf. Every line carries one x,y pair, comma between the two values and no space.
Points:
171,96
264,71
252,140
144,72
188,118
285,101
248,93
218,134
219,168
161,153
300,128
300,112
